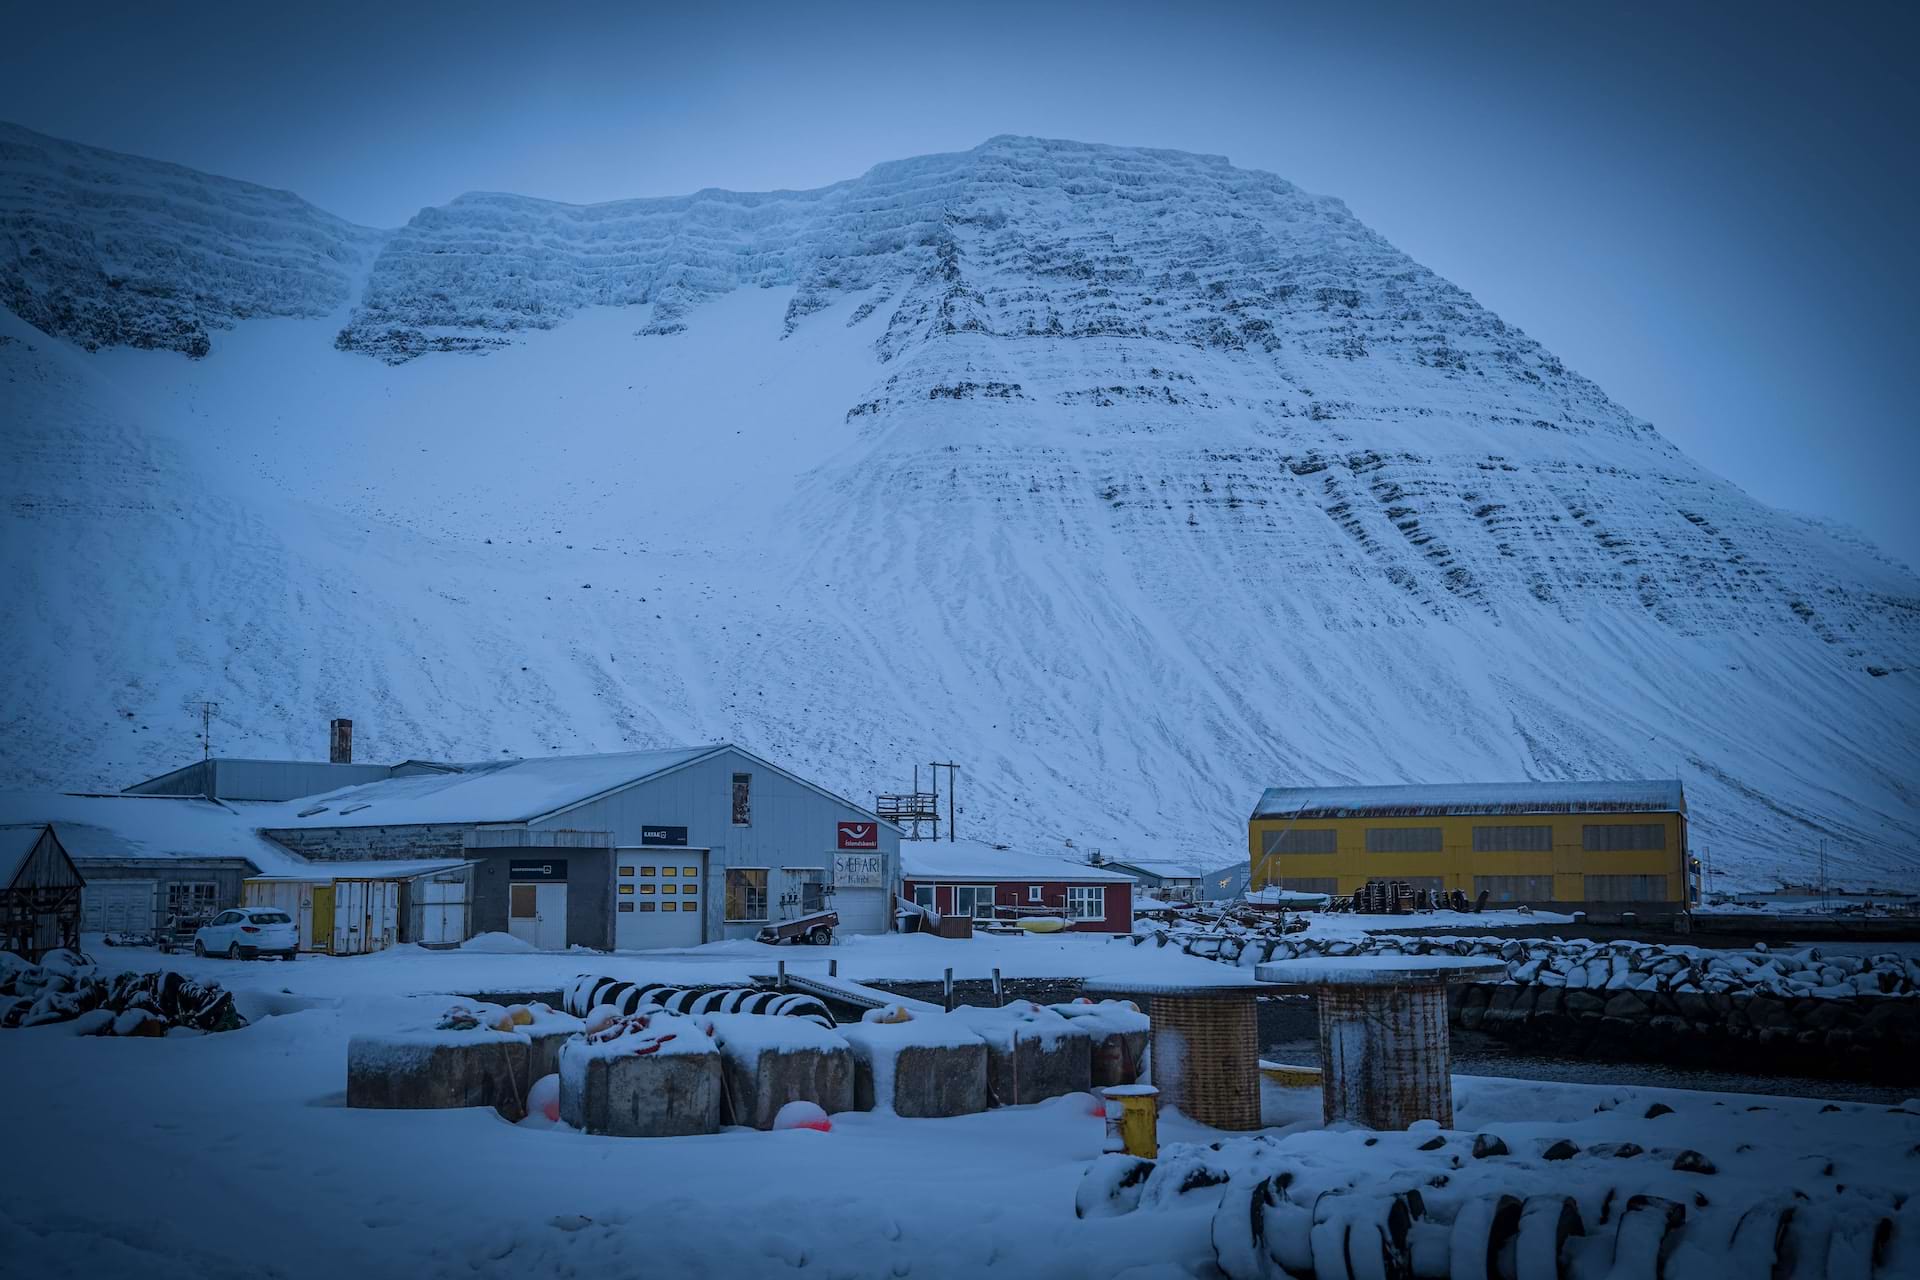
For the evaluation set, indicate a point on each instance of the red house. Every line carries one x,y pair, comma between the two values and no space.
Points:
972,878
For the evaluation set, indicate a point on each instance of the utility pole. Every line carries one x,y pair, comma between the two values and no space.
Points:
953,785
207,710
1824,904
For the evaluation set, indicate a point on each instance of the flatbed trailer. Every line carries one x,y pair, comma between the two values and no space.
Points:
816,928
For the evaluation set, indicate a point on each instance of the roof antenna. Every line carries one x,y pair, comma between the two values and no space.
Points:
207,710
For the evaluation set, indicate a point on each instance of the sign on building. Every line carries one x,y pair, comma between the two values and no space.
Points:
541,869
859,835
663,835
857,870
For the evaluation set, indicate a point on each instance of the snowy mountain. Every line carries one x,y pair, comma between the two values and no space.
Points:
1132,481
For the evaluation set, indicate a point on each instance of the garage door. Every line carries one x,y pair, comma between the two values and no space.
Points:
860,892
658,897
117,906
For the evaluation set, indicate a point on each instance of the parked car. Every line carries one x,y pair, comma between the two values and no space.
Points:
246,933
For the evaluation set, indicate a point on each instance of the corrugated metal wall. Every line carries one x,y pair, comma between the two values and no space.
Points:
792,826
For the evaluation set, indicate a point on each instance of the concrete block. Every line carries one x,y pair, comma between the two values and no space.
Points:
544,1046
924,1080
760,1083
429,1070
1034,1067
661,1095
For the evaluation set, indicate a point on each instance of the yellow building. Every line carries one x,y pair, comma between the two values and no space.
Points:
1599,847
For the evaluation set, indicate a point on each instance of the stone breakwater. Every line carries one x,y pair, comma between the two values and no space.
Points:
1802,1011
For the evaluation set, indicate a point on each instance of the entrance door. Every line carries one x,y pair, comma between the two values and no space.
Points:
322,939
537,914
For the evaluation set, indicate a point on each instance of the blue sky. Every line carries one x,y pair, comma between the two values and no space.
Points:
1708,209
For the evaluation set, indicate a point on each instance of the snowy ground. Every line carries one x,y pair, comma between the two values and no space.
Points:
234,1154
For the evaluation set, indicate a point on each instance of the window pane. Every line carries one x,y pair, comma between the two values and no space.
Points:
923,895
645,888
646,871
1617,836
1505,839
669,871
742,799
669,906
746,893
689,871
626,871
1514,888
1403,840
1296,841
626,888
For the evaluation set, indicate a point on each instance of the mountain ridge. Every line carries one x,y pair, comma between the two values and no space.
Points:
1137,481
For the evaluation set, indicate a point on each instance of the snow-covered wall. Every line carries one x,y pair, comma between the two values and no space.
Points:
1135,482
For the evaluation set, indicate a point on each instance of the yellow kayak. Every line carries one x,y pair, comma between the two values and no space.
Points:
1043,924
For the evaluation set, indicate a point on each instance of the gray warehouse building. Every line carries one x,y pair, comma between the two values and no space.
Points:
627,850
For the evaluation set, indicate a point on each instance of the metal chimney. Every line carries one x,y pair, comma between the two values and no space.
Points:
340,743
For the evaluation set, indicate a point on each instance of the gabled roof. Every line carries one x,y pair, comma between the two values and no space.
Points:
499,791
123,827
16,846
1663,795
973,860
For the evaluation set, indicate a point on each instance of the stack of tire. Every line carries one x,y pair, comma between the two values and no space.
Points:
590,991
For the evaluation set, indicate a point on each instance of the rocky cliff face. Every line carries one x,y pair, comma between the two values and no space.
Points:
112,250
1133,480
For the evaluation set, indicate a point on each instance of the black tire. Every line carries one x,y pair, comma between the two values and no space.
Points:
233,951
820,936
200,948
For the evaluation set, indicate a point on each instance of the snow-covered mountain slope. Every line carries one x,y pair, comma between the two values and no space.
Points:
1132,481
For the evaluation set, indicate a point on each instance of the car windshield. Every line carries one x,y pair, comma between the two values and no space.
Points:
270,917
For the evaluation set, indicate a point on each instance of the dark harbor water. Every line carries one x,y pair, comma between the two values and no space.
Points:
1477,1055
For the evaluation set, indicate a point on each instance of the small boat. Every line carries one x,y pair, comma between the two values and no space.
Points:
1043,924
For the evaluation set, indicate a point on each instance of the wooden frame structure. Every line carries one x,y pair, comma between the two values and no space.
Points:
39,893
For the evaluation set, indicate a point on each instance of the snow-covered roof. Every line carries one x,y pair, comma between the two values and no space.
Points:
968,860
372,869
490,791
122,827
1165,866
1659,795
16,846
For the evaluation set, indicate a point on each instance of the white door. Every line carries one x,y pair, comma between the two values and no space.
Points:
537,913
443,910
659,898
117,906
860,893
551,917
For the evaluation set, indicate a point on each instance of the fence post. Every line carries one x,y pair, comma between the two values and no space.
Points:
948,985
999,1000
833,968
783,975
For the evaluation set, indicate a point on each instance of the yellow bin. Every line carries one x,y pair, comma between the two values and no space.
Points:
1133,1119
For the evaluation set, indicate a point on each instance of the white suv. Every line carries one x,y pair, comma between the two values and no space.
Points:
245,933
